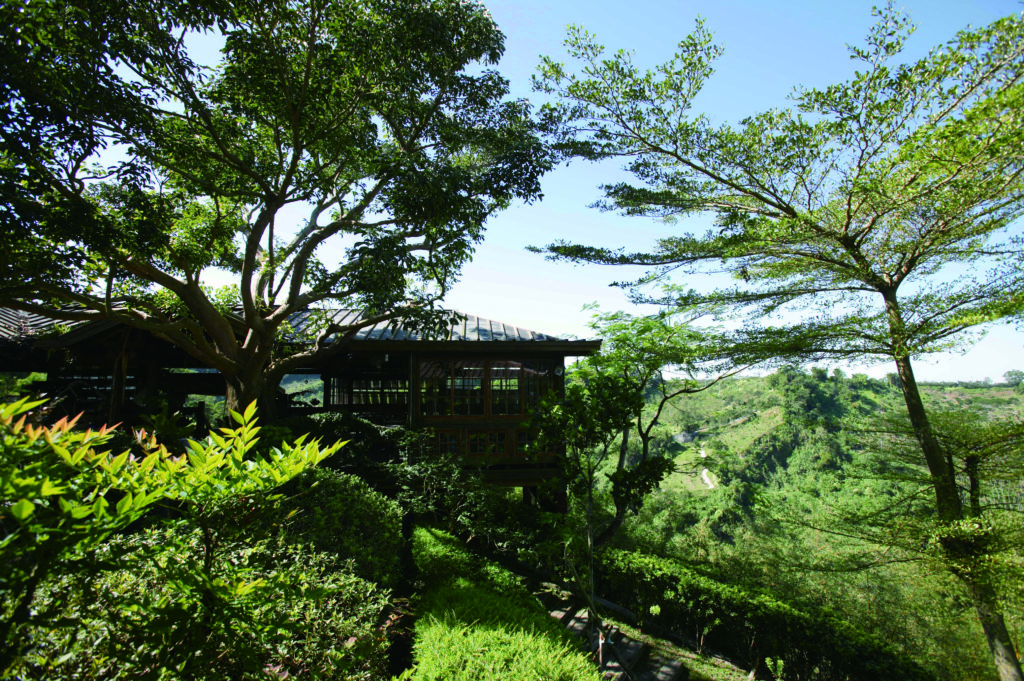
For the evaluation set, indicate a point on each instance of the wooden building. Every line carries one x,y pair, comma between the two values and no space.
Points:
472,387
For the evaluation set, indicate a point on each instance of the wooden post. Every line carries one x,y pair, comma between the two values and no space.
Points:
118,381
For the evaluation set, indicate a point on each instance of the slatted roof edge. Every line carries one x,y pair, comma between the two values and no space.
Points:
470,328
19,326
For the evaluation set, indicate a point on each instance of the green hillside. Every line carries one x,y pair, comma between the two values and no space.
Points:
808,502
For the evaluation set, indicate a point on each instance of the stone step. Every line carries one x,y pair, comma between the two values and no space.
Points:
612,667
548,598
660,668
644,665
562,613
576,622
613,672
631,652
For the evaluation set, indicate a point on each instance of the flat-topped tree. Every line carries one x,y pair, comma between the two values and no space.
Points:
873,220
343,153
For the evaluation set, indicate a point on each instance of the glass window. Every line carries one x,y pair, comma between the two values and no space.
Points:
504,385
524,439
484,387
468,388
337,391
448,442
369,391
487,443
435,388
538,380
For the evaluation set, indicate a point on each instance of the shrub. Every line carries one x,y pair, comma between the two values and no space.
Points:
277,608
453,644
504,522
369,445
62,498
751,627
340,514
454,495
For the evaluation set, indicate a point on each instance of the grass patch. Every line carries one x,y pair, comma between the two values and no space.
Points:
479,622
686,477
736,437
739,437
996,402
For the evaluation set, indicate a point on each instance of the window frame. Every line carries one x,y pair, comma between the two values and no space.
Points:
548,380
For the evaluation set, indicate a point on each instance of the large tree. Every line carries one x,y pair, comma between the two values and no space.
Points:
875,219
655,360
342,153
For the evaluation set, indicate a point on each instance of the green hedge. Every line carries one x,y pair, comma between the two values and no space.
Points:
340,514
281,611
478,622
745,626
94,584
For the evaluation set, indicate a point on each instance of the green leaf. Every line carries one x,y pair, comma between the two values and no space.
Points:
149,462
119,461
22,509
81,511
99,507
125,504
49,489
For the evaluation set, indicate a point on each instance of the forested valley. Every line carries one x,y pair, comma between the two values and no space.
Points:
787,485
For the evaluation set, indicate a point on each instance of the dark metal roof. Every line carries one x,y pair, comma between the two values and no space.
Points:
469,328
18,326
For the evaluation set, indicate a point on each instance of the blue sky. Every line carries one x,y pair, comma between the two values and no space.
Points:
770,47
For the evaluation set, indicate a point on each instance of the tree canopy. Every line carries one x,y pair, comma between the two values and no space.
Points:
657,360
864,188
341,154
875,218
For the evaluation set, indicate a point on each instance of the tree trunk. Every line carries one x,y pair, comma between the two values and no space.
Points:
591,586
950,508
243,390
940,464
992,622
626,502
623,449
613,526
621,507
949,505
